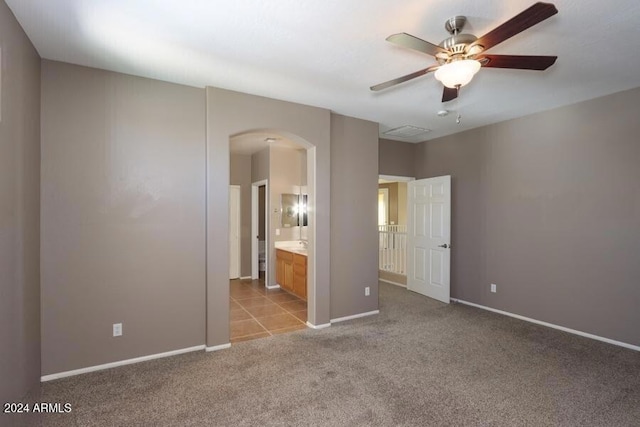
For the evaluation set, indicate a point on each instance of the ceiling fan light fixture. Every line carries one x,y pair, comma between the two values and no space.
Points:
474,49
457,73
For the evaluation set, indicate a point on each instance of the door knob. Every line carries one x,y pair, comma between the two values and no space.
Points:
444,246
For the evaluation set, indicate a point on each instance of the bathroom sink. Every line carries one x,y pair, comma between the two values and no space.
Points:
295,250
292,246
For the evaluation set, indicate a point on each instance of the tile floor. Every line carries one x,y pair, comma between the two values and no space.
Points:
257,312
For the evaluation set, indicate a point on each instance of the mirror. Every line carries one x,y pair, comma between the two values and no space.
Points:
293,209
303,210
289,210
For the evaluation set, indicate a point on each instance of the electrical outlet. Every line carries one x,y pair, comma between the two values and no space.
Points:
493,288
367,291
117,329
277,231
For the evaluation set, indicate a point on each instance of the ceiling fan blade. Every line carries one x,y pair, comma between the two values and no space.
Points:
412,42
449,94
403,79
519,62
526,19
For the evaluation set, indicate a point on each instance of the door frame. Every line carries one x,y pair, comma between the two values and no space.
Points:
238,273
395,178
255,207
383,276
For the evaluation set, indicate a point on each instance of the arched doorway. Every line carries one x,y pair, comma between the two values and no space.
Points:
232,113
275,233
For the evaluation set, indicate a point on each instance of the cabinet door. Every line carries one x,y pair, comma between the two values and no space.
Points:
300,276
300,285
288,275
279,271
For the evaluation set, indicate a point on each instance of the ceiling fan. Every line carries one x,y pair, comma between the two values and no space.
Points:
461,56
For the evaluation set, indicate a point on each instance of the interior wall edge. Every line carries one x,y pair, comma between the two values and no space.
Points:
20,136
549,325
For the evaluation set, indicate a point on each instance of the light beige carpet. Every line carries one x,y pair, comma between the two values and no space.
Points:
418,363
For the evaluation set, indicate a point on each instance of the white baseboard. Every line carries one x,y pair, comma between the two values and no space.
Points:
245,277
551,325
218,347
355,316
321,326
392,283
65,374
273,287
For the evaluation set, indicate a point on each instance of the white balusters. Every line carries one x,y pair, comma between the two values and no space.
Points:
393,248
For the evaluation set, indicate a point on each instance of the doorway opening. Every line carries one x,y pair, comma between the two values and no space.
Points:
259,243
274,173
234,231
392,229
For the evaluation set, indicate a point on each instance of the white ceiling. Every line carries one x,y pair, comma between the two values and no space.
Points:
327,53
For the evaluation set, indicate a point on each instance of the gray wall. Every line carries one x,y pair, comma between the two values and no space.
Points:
303,170
19,214
240,174
123,216
230,113
548,208
123,211
260,165
354,219
396,158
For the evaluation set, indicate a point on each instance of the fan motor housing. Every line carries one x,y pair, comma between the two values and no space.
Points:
458,42
455,25
457,46
452,43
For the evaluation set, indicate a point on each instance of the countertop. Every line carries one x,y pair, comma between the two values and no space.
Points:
299,251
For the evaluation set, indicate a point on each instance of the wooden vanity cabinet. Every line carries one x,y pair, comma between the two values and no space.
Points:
291,272
284,269
300,275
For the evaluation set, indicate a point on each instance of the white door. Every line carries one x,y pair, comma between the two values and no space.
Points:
234,231
429,237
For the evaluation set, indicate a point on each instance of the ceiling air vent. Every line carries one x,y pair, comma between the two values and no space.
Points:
406,132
